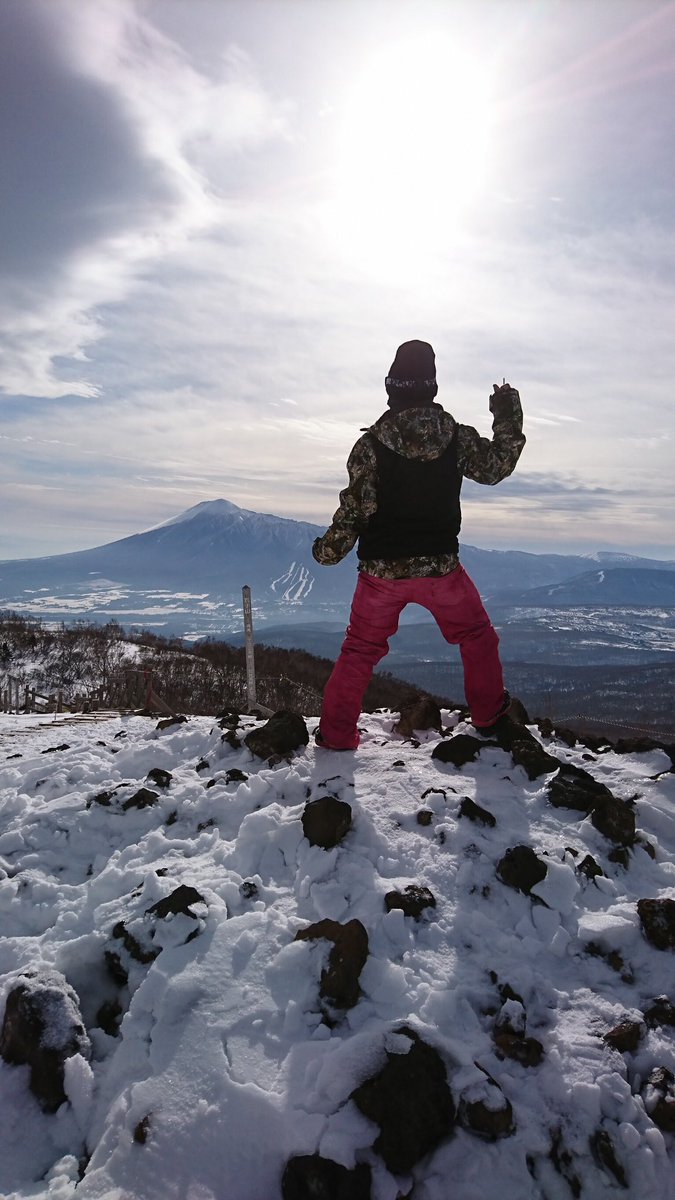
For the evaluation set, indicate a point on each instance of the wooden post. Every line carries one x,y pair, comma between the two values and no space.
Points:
248,636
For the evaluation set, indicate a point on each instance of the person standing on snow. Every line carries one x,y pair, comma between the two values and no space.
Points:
402,504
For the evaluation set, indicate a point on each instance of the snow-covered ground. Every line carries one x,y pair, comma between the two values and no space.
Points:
223,1067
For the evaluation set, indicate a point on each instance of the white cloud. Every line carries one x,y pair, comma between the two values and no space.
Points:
146,122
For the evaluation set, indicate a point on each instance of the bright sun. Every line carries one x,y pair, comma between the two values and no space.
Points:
413,147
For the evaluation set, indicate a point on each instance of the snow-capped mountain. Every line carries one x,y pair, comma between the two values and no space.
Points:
615,586
185,576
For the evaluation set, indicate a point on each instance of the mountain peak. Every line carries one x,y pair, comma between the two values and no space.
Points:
216,508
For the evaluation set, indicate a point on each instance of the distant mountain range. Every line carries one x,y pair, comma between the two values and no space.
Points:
185,576
640,586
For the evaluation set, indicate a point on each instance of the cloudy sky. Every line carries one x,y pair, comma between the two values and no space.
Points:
219,219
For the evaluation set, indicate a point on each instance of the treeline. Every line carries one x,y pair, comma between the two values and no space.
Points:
84,660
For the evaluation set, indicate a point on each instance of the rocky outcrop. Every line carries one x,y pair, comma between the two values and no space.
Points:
284,733
179,901
159,776
658,1093
42,1028
458,750
521,869
484,1109
311,1177
410,1101
626,1036
143,798
657,918
340,979
421,713
475,812
413,900
326,821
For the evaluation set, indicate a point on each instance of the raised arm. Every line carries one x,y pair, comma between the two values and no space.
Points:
488,460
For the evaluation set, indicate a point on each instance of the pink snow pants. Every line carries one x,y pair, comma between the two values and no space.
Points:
455,605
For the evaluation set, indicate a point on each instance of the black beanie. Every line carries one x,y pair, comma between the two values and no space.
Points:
412,375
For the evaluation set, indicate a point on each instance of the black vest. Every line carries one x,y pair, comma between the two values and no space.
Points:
418,511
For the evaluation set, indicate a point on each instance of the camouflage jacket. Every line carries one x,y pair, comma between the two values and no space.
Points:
419,432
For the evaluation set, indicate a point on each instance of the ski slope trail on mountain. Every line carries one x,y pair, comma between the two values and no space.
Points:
165,873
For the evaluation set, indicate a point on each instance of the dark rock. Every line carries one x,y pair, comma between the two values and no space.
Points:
282,734
421,713
518,712
122,734
511,1018
575,788
132,945
142,1129
311,1177
526,1050
102,798
567,736
210,783
168,722
424,817
399,763
563,1161
648,848
109,1016
458,750
326,821
42,1028
172,818
620,855
638,745
10,756
626,1036
434,791
210,824
234,775
660,1012
202,765
658,1093
468,808
340,979
612,958
228,719
597,742
248,890
413,900
485,1110
521,869
532,757
159,776
117,971
602,1148
232,740
506,992
615,819
590,868
53,749
657,918
410,1101
143,798
178,902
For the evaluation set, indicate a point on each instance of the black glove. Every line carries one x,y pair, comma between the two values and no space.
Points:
503,399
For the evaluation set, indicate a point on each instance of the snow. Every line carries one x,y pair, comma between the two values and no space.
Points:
223,1058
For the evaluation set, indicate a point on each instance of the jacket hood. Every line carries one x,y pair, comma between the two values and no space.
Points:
422,431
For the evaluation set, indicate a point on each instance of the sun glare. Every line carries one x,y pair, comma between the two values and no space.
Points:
413,148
